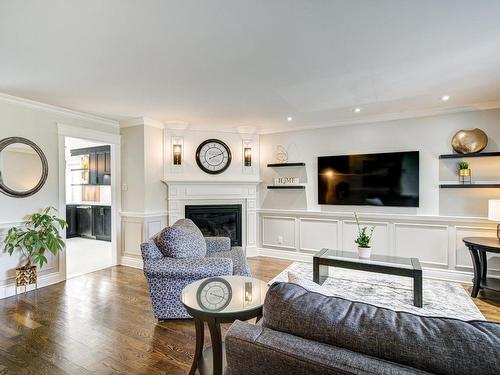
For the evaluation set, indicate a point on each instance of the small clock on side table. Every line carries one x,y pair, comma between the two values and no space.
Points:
219,300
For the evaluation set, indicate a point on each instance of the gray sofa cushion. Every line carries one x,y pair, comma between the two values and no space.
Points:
182,240
437,345
247,345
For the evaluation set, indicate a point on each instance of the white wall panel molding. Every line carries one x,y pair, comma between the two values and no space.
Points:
428,242
139,227
436,242
279,232
317,233
381,243
463,259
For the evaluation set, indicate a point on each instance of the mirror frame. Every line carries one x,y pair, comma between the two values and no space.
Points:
45,168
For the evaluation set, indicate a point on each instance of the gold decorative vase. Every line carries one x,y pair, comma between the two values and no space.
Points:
469,141
464,172
26,276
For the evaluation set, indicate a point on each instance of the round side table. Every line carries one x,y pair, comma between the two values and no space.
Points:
219,300
478,247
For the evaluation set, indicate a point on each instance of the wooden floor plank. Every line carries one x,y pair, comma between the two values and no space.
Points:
102,323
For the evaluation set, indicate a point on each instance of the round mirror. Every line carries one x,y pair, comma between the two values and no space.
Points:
23,167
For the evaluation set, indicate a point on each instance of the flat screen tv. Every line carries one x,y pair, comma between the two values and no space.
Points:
388,179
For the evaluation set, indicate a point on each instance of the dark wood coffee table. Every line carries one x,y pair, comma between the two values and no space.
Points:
399,266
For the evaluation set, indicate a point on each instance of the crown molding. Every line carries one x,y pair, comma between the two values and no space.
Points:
142,121
58,110
389,117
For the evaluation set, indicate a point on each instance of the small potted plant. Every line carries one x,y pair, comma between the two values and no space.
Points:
39,235
363,239
463,171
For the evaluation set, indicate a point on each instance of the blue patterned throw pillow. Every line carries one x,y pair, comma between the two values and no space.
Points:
182,240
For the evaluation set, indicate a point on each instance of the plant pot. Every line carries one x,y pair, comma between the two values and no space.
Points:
364,252
26,276
464,172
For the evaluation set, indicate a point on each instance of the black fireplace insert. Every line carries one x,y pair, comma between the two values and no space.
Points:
217,220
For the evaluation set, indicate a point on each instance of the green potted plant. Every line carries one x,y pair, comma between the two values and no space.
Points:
363,239
463,171
463,168
39,235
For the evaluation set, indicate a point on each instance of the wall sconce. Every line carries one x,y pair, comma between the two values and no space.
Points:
247,152
177,150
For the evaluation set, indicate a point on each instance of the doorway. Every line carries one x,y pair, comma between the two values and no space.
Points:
89,199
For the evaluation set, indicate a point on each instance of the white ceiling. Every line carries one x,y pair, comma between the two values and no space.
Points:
223,64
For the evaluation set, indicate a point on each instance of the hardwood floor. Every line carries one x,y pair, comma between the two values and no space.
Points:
102,323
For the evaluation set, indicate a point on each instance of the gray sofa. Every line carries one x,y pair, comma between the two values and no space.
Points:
180,255
303,332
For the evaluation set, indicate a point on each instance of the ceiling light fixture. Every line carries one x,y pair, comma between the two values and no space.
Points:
445,98
356,110
289,119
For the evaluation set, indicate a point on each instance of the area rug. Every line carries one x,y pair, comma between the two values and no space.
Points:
441,298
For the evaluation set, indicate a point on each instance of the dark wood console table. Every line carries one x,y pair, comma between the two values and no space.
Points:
478,247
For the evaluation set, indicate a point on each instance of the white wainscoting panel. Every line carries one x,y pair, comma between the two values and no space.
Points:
435,240
316,234
132,237
427,242
279,232
463,257
380,240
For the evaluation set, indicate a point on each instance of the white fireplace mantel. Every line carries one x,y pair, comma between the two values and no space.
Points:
196,192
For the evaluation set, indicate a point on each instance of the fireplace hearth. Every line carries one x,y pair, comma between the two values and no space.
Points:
217,220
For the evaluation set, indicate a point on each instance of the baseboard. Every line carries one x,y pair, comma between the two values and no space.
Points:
429,273
252,251
131,262
283,254
9,290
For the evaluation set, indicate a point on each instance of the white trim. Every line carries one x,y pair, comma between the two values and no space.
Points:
90,134
142,121
44,280
114,141
288,255
129,261
407,218
59,110
143,215
218,181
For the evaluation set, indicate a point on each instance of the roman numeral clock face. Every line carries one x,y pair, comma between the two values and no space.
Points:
213,156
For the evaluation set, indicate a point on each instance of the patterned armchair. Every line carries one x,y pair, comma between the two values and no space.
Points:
173,260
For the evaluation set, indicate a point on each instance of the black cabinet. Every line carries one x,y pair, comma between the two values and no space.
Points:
99,164
89,222
102,222
84,221
72,229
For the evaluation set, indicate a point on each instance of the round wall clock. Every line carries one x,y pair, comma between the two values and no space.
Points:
213,156
214,294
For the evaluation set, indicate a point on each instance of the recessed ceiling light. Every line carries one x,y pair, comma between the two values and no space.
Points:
356,110
445,98
289,119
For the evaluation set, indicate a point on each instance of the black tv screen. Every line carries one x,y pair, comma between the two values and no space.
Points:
388,179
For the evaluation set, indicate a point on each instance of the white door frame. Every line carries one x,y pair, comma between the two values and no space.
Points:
114,140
